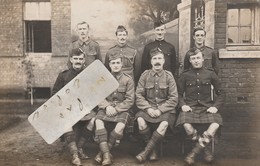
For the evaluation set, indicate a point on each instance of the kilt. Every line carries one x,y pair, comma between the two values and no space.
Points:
89,116
120,117
167,116
199,115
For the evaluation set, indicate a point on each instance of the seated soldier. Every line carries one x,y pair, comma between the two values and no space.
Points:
156,97
83,128
197,106
114,109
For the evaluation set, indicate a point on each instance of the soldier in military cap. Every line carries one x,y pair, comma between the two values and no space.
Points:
90,47
197,107
156,97
167,49
131,66
211,59
83,128
114,109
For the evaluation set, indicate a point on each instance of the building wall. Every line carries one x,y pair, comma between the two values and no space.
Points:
240,79
13,61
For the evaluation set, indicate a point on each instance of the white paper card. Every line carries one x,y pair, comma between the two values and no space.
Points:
73,101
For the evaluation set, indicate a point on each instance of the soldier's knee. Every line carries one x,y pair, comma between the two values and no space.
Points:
99,124
188,127
141,123
120,127
163,125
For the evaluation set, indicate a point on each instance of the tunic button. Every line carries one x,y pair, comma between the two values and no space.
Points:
198,86
156,83
198,80
198,73
198,100
156,91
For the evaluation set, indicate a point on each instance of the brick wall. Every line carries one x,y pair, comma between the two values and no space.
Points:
61,27
240,79
11,28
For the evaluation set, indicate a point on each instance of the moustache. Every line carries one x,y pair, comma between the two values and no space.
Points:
77,63
157,64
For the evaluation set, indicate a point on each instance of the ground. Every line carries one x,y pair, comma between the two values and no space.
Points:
21,145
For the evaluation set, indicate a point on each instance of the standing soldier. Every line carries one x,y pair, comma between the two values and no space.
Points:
197,107
90,47
83,128
114,109
130,66
156,97
211,59
167,49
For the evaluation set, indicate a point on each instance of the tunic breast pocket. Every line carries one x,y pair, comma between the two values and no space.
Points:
92,54
206,87
149,88
163,92
121,93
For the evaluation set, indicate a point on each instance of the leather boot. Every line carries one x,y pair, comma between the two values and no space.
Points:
154,154
75,160
74,152
208,156
141,157
106,154
81,153
190,159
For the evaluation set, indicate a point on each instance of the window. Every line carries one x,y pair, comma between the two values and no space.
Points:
243,25
37,23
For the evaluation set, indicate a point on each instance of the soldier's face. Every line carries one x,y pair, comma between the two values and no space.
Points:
160,32
197,60
199,37
77,61
116,65
157,62
82,30
122,37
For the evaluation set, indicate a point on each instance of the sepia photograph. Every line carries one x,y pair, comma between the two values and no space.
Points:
129,82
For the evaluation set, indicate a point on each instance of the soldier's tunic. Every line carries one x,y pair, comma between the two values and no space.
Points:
211,59
157,90
196,85
169,55
64,78
90,48
121,99
128,54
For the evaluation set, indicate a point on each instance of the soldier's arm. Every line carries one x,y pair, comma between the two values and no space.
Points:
174,61
98,53
220,96
107,61
215,61
145,60
141,102
129,97
172,100
59,83
186,62
104,104
181,89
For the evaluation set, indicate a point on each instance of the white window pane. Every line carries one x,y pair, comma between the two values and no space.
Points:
245,35
45,11
232,35
233,17
37,11
245,17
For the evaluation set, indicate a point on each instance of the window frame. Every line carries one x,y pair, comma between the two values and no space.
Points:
35,19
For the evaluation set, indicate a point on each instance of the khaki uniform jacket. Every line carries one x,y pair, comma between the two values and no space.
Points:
123,98
157,91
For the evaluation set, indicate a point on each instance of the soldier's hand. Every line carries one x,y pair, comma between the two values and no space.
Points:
212,110
186,108
111,111
151,112
157,113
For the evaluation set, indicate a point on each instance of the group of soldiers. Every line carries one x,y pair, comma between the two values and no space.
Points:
147,95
